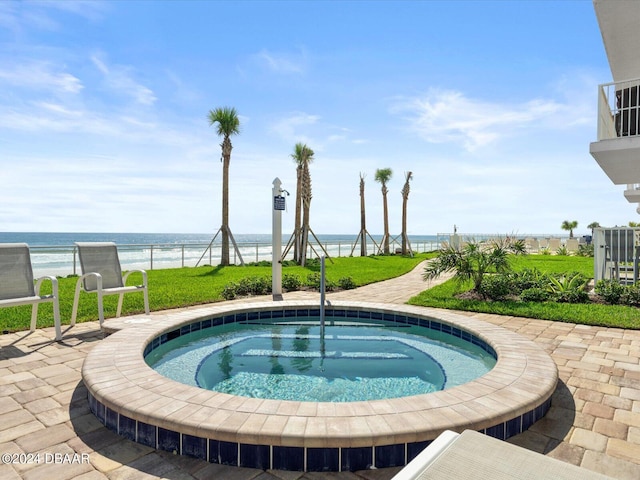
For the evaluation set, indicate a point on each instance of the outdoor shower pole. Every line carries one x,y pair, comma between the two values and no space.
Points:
276,240
322,287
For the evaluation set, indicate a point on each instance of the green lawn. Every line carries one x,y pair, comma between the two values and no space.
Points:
443,296
181,287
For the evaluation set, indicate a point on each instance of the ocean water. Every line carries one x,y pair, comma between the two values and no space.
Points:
53,253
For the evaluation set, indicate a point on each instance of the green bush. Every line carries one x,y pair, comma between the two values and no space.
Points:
631,295
545,251
562,250
585,250
610,291
346,283
528,278
313,281
229,291
534,294
291,283
247,286
495,287
568,288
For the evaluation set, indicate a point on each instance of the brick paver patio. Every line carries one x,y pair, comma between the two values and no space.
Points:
594,420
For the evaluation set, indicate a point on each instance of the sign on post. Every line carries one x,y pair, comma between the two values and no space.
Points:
278,202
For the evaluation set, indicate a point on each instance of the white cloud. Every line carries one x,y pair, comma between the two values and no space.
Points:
41,75
119,78
450,116
295,127
282,63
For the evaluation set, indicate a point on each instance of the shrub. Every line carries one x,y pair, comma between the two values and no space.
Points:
346,283
534,294
568,287
291,282
545,251
313,281
610,291
528,278
585,250
495,287
229,291
631,295
562,250
247,286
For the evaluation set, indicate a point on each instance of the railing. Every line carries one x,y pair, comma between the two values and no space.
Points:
63,260
619,109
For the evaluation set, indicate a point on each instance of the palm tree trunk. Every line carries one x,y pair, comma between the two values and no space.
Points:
404,224
226,160
363,222
386,219
297,220
306,207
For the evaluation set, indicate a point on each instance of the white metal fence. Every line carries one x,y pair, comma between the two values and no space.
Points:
63,260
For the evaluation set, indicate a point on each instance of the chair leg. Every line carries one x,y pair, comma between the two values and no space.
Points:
146,301
34,316
119,311
56,319
76,301
100,307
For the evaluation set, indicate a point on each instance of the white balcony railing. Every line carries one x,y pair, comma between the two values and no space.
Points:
619,109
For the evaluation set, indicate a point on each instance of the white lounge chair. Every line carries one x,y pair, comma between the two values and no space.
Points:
102,274
17,287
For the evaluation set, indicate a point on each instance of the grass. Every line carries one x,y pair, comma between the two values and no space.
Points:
443,296
181,287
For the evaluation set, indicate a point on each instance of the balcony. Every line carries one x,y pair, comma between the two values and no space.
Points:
617,150
632,193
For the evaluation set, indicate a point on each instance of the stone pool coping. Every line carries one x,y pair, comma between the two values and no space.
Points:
117,376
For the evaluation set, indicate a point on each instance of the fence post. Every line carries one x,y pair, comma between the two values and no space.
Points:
151,257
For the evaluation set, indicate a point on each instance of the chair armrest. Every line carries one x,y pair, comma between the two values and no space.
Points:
87,275
54,286
144,277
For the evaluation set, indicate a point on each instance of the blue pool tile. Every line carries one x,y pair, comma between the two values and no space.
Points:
163,338
314,312
147,434
227,319
207,323
280,314
390,456
401,319
288,458
339,313
527,420
513,427
196,326
111,419
352,313
147,350
456,332
302,312
388,317
289,313
323,459
446,328
435,326
265,315
127,427
224,453
376,316
254,456
253,316
173,334
364,314
413,449
217,321
100,412
241,317
194,446
497,431
168,440
185,329
357,458
424,322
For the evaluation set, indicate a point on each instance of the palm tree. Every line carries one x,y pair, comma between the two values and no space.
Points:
302,155
405,198
567,225
363,220
228,124
592,226
383,175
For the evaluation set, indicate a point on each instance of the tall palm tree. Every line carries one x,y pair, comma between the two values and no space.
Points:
363,220
383,175
227,124
593,226
302,155
405,198
569,226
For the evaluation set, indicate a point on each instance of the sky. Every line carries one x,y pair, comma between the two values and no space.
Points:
491,105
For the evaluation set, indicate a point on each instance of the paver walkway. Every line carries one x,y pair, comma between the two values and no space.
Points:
594,420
